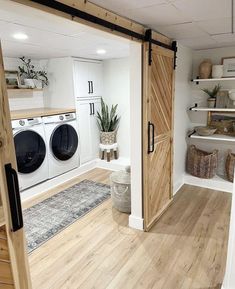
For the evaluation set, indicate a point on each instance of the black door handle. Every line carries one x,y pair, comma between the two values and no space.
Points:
150,140
90,108
89,87
14,198
93,105
92,91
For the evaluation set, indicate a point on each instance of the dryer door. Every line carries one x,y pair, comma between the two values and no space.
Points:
30,151
64,142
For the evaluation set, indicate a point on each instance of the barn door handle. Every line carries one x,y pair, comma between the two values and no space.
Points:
150,140
14,198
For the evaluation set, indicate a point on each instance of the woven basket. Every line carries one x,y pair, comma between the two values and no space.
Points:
229,166
201,164
108,138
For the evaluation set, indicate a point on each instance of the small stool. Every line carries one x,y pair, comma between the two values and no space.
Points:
107,148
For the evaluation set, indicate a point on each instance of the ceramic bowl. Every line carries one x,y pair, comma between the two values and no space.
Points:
205,130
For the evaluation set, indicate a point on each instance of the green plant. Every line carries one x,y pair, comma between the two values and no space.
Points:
27,70
107,120
212,93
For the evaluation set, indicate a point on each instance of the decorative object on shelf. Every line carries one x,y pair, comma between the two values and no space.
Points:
231,94
217,71
223,100
205,130
229,66
224,124
200,163
205,68
230,165
12,78
212,95
121,190
32,78
108,123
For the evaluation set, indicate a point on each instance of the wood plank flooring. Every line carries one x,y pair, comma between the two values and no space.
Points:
186,249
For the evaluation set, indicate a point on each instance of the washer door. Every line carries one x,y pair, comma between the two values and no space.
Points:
64,142
30,151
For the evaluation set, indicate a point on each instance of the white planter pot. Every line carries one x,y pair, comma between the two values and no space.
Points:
38,83
217,71
29,82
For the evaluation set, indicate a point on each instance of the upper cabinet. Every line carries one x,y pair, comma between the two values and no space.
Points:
87,78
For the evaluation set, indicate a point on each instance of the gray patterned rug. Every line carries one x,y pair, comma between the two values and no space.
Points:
54,214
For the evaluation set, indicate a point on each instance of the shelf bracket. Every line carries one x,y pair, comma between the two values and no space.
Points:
195,106
192,133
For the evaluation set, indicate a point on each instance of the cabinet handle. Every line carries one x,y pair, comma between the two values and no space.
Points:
90,108
14,198
92,91
150,141
89,87
93,105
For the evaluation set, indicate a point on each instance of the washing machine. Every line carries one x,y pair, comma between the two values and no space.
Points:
31,153
62,143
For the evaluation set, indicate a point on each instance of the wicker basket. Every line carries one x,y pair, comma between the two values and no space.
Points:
201,164
229,166
108,138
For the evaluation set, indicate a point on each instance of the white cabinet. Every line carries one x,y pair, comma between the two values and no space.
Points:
88,129
87,79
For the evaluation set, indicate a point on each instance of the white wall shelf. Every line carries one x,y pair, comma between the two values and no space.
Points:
216,183
197,80
212,109
214,137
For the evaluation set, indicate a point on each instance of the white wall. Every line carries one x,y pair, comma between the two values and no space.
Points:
116,90
30,99
181,119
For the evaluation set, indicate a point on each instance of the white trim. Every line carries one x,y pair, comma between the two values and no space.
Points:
113,165
177,186
136,222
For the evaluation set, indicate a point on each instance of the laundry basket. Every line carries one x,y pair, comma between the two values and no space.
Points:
121,190
200,163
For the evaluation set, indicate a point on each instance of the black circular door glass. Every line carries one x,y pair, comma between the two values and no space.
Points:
64,142
30,151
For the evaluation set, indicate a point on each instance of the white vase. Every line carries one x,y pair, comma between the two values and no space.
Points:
29,82
217,71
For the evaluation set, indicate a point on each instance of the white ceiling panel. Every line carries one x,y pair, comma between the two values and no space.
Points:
216,26
225,38
200,10
200,43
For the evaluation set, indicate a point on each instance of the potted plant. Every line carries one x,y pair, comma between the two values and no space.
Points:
212,95
32,78
107,121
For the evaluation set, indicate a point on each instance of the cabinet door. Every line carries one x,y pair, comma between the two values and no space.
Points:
82,84
94,129
95,74
84,112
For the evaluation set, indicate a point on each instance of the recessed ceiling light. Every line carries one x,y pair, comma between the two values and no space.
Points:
100,51
20,36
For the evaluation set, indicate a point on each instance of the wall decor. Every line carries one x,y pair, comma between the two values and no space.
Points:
12,78
229,66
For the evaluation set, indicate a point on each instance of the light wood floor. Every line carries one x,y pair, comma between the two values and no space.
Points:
186,249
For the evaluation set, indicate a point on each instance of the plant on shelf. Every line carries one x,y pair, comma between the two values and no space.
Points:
32,78
212,95
108,122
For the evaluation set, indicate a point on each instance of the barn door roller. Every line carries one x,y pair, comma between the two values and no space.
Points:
150,40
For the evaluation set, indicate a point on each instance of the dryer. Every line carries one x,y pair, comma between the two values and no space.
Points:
62,143
31,153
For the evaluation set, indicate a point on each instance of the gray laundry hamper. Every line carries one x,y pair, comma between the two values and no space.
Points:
121,190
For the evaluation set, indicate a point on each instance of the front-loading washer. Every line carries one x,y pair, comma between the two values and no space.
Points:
62,143
31,152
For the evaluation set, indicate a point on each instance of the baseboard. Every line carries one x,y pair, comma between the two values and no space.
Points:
136,222
113,165
216,183
177,186
42,188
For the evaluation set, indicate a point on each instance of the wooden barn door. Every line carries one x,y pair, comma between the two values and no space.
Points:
14,269
157,132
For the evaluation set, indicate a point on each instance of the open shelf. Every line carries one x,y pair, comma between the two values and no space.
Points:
2,220
216,183
24,89
197,80
214,137
212,109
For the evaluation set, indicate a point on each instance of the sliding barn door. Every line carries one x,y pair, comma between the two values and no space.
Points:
157,132
14,270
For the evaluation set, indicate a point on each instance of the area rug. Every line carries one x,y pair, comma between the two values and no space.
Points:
51,216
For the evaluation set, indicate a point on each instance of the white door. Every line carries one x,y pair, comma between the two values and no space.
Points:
94,127
82,82
95,76
84,111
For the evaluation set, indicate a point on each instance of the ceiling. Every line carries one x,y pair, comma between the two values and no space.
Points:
198,24
52,36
